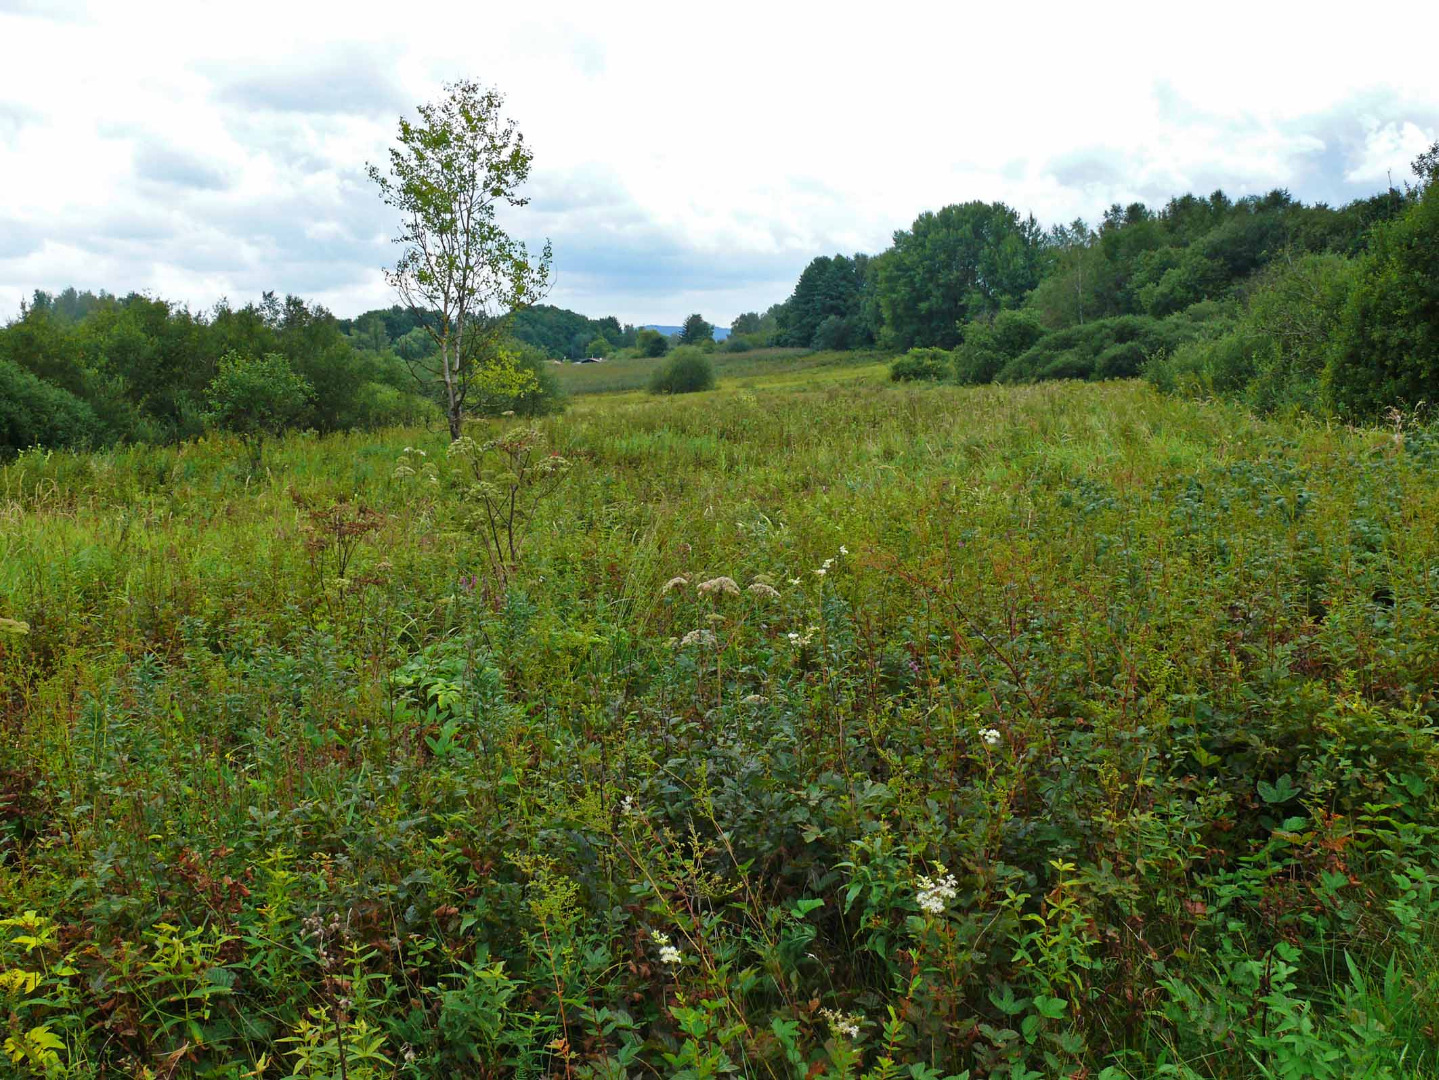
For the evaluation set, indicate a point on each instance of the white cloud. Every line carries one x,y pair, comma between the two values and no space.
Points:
685,158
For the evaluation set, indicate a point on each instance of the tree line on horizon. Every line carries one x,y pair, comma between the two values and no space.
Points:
1264,298
1332,310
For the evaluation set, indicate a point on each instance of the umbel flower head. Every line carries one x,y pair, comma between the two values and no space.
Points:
934,894
678,582
720,586
764,590
703,637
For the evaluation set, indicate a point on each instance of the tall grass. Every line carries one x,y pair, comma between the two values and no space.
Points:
1135,694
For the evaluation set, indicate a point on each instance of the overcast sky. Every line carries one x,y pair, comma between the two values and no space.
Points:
687,157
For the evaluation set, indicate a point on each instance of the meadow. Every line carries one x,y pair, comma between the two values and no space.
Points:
819,727
766,367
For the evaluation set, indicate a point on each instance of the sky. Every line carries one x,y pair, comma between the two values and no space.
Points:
686,157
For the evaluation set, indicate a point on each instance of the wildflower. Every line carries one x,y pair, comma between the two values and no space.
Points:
934,894
702,637
843,550
821,571
991,736
719,585
627,806
754,699
794,581
840,1024
769,592
675,583
668,953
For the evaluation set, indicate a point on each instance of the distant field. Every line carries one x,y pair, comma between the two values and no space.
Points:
767,365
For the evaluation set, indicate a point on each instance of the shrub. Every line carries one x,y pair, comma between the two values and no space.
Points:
651,343
34,412
1387,349
922,365
520,380
1114,348
255,398
686,371
736,344
989,344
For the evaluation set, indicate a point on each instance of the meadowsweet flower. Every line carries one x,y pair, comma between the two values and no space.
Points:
769,592
719,586
670,955
794,581
991,736
627,805
675,583
702,637
934,894
843,550
840,1024
821,571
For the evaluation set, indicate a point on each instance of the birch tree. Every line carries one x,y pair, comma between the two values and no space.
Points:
459,271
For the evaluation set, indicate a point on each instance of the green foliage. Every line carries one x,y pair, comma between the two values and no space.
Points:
34,412
1116,348
517,381
1386,353
922,365
1103,743
599,347
651,343
685,371
990,343
568,335
696,331
449,172
256,398
952,266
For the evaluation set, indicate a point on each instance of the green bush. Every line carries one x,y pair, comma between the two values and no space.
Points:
651,343
1387,350
686,371
1114,348
34,412
522,381
922,365
256,398
989,344
736,344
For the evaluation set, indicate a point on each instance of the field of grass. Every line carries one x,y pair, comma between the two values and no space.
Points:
816,728
762,366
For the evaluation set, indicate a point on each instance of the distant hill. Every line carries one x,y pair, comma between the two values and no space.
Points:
721,332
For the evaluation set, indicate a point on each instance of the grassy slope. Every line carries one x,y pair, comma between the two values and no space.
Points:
1204,645
769,367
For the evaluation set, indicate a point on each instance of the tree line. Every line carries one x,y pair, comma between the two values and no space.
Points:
1265,298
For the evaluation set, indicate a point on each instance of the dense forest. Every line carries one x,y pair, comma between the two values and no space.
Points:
1264,298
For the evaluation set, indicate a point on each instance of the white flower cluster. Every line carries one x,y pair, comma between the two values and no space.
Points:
799,640
934,894
668,953
991,736
761,588
703,637
841,1024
